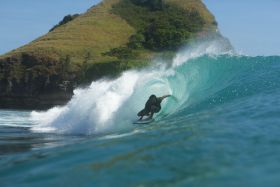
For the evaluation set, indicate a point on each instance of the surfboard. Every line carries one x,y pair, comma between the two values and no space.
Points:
144,121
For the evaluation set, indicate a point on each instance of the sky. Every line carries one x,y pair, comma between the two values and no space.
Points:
252,26
22,21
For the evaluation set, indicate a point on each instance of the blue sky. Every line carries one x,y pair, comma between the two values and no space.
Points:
251,25
24,20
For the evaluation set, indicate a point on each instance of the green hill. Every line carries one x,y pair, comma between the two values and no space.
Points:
110,37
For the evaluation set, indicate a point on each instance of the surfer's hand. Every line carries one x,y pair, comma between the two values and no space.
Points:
165,96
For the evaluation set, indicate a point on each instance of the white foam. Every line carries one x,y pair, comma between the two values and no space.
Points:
109,104
211,47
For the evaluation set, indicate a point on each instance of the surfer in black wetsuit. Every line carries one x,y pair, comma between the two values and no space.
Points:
152,106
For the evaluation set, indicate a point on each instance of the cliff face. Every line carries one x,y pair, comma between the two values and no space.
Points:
109,38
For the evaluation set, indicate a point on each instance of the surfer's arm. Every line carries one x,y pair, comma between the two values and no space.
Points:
163,97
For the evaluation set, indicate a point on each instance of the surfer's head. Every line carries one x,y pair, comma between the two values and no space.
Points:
152,97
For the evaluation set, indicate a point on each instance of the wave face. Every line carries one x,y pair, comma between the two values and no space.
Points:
200,77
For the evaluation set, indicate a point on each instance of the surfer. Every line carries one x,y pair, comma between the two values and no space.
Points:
152,106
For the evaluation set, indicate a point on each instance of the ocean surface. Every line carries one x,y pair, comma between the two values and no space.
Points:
221,127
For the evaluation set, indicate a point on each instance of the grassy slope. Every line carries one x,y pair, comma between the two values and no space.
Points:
94,32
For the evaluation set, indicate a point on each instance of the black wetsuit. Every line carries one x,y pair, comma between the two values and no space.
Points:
152,106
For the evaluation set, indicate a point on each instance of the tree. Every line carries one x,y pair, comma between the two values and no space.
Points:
152,4
136,41
65,20
65,65
121,53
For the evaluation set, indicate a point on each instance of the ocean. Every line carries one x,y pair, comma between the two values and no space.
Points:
221,127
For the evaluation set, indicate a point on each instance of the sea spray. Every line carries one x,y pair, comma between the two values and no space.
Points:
104,105
113,104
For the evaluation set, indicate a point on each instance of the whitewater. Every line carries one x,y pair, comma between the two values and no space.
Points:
221,127
108,105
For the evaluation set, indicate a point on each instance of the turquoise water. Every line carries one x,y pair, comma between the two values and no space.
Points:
221,128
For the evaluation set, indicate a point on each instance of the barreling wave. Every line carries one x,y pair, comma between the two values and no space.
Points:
196,73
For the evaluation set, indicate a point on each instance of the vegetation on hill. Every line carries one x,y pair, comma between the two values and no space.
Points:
159,26
110,37
65,20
